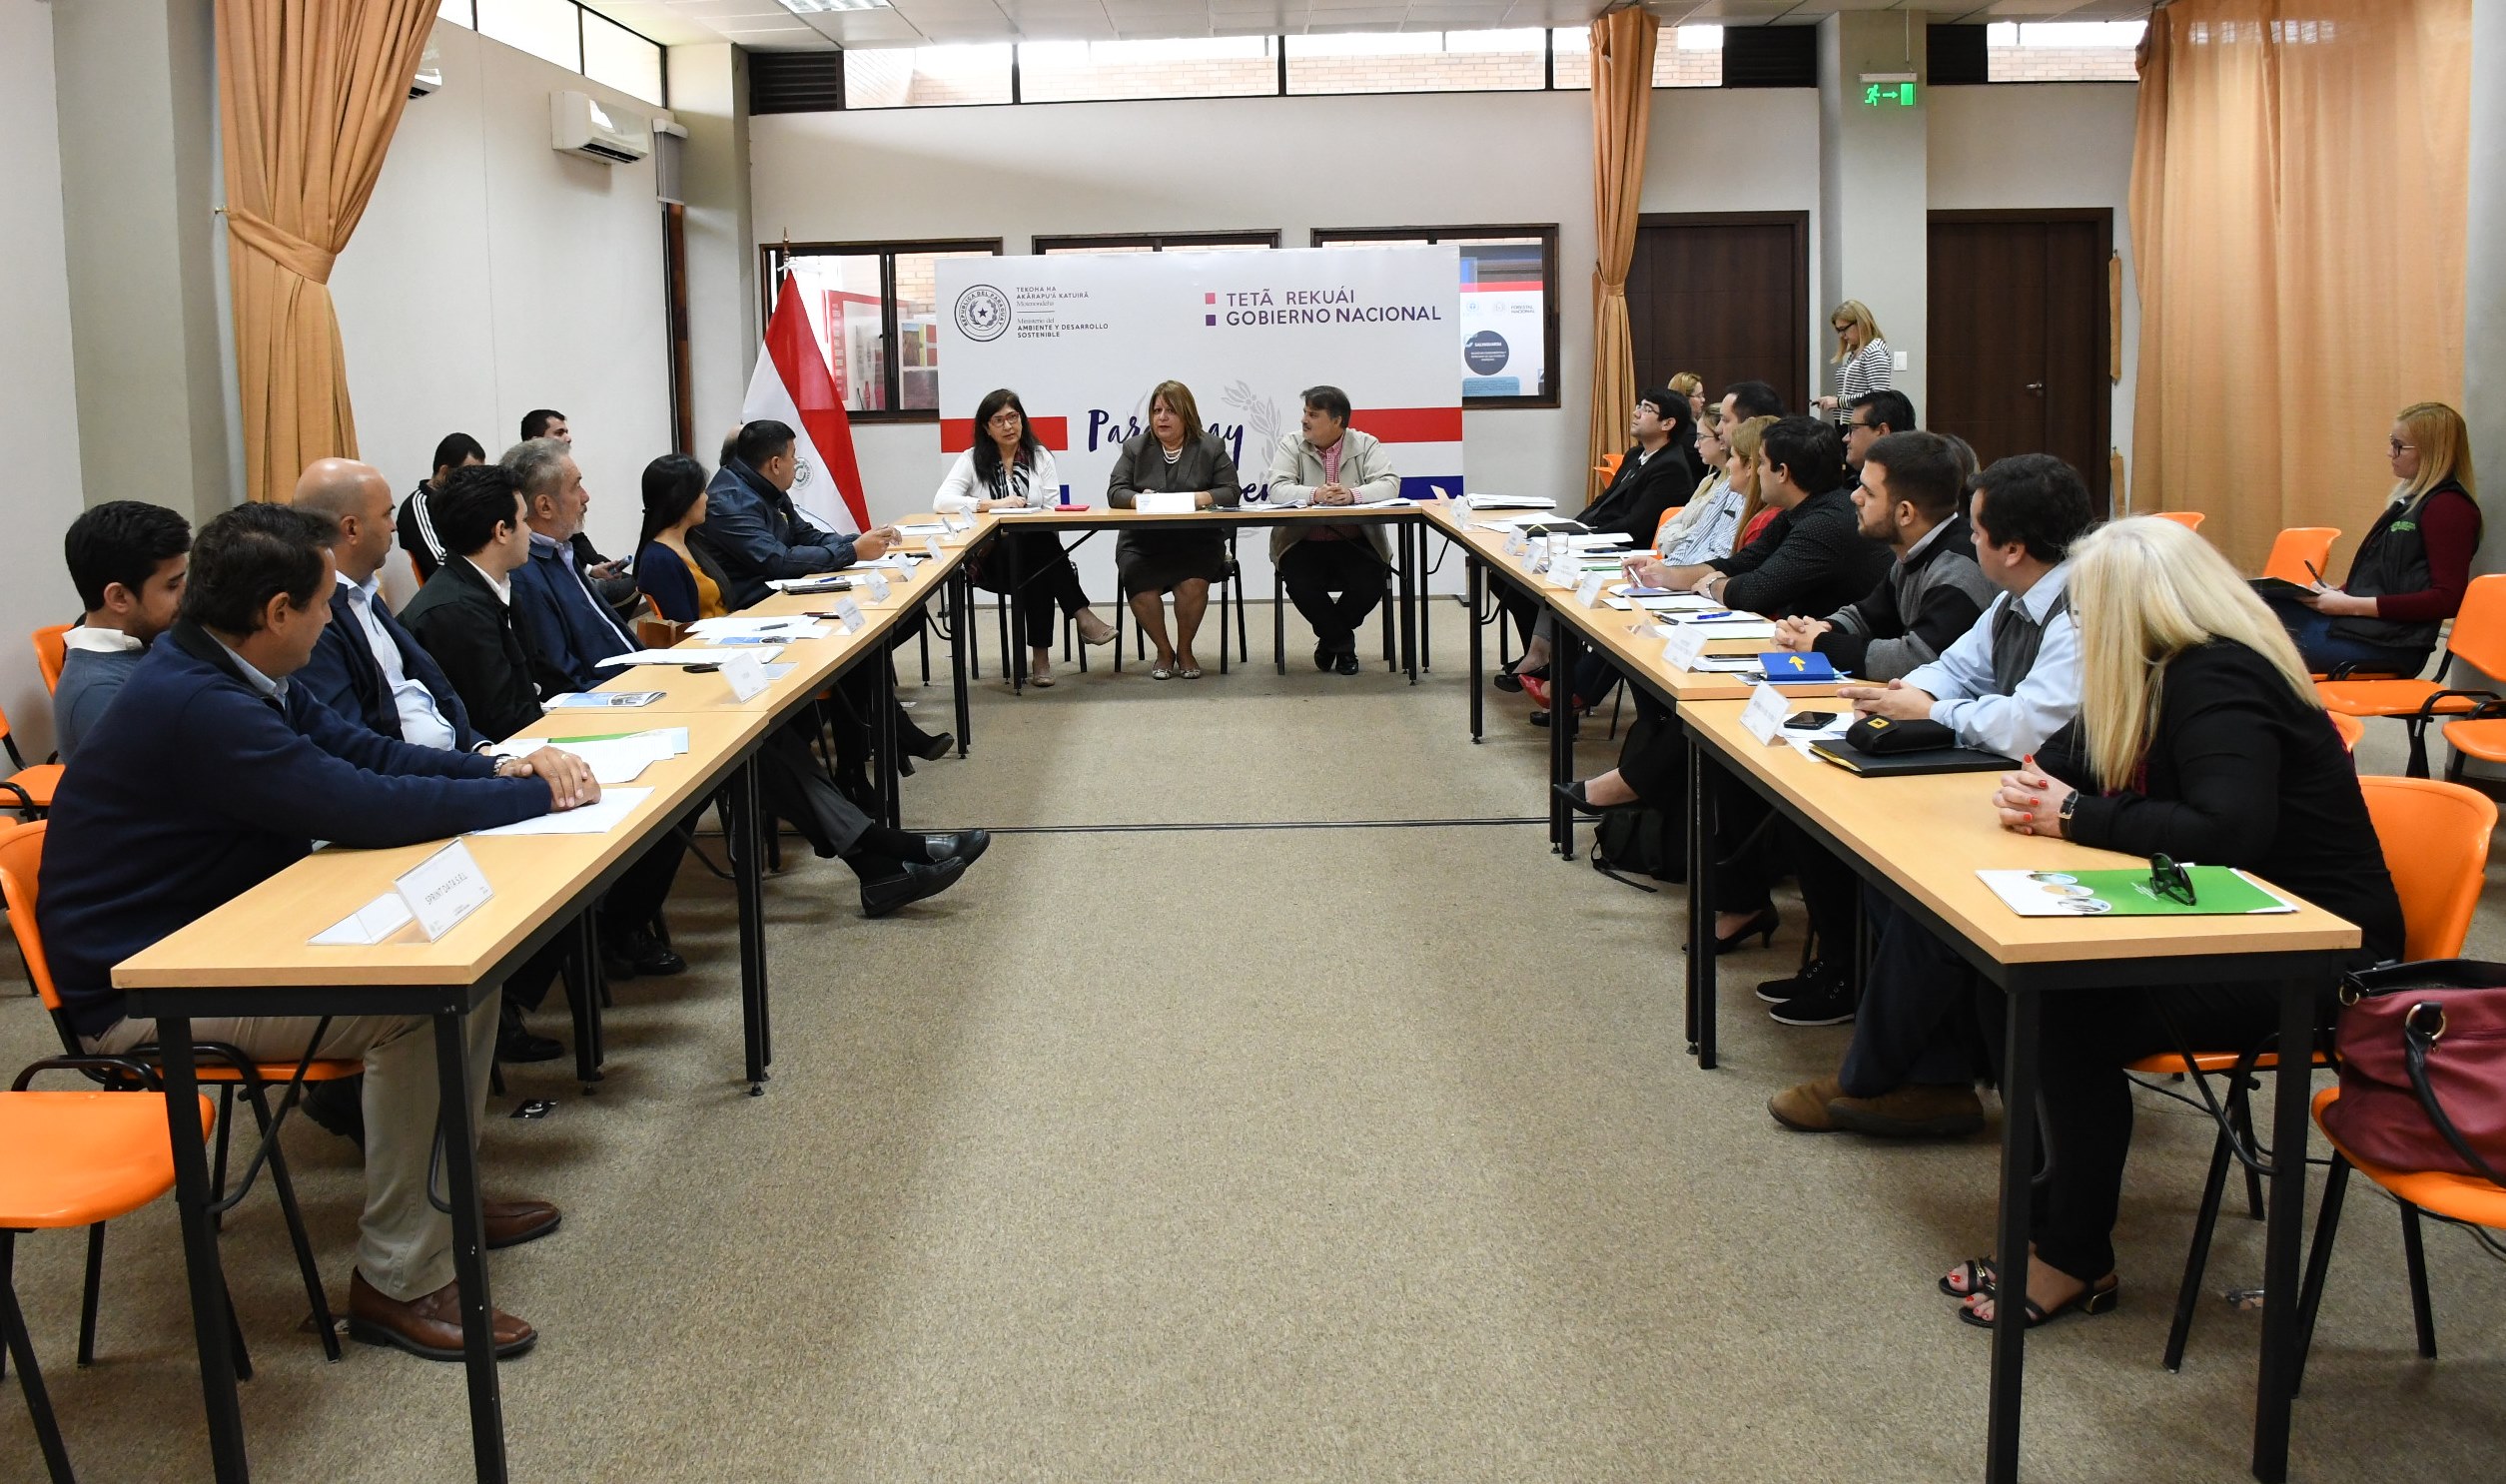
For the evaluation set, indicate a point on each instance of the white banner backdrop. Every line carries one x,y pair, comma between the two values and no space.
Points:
1083,336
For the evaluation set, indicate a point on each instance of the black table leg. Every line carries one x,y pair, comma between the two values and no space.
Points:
210,1321
1701,965
470,1246
583,997
2281,1338
961,613
1426,601
1478,571
1016,661
890,746
1566,650
749,891
2009,1243
1404,530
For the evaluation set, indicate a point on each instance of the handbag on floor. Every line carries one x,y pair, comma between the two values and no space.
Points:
1639,841
2423,1067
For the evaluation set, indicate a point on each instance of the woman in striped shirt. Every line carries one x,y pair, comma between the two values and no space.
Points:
1862,356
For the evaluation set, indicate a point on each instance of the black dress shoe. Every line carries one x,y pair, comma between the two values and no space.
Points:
962,846
932,749
1509,682
1345,663
1323,659
1573,793
641,953
915,882
1575,725
516,1042
337,1106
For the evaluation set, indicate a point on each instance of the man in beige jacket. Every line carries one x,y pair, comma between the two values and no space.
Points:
1329,463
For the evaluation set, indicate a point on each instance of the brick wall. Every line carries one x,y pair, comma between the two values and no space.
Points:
2055,64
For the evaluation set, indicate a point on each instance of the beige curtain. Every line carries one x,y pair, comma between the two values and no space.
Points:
2298,219
309,93
1622,108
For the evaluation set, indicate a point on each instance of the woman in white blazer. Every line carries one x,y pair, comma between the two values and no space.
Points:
1007,469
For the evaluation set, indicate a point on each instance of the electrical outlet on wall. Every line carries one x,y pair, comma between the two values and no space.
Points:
1899,358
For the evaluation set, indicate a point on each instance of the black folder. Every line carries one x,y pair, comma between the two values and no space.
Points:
1905,764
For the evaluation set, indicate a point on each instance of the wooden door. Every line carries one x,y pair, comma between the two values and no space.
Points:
2019,335
1725,295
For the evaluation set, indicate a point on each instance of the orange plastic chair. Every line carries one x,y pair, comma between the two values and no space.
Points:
31,787
75,1159
1665,520
1607,468
2436,840
50,651
2441,1193
2352,730
2188,519
2292,548
21,859
2478,640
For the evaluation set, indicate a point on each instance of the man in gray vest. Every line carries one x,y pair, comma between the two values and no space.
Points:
2006,685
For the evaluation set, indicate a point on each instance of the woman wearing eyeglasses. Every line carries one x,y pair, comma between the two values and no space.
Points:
1008,469
2200,738
1862,359
2413,564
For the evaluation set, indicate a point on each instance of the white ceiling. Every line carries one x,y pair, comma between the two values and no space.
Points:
766,26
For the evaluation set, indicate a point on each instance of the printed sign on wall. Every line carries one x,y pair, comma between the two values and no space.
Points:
1082,337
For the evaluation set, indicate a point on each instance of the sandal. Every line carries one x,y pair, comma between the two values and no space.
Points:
2097,1298
1041,682
1160,672
1969,1278
1189,672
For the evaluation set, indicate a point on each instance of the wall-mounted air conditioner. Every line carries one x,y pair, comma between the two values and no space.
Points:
578,124
429,74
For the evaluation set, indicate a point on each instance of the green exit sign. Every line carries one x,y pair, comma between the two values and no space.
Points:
1889,95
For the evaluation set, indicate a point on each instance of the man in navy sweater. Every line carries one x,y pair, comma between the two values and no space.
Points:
212,774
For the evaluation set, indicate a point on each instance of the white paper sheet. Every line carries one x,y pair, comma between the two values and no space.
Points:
1509,502
719,630
592,819
613,760
694,655
369,923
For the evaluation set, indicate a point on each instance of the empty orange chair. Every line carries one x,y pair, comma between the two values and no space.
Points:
1607,468
2294,547
29,787
2435,839
2188,519
50,651
75,1159
2478,640
21,860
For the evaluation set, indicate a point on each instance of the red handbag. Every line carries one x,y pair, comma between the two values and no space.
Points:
2423,1067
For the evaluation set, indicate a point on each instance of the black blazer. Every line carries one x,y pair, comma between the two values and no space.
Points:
470,633
2242,771
343,676
1640,494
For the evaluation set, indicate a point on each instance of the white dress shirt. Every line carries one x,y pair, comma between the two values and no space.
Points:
2015,725
1709,538
422,723
1036,488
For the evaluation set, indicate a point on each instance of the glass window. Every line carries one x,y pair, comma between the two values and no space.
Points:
1190,67
1683,56
1162,242
926,76
2063,50
547,29
620,58
874,310
458,12
1508,307
1415,61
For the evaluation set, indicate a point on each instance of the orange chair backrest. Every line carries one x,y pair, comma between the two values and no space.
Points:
21,852
1609,463
2436,845
1665,520
2478,638
2292,548
50,652
2351,729
2188,519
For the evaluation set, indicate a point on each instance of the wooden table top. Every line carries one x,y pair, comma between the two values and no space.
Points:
1932,833
1102,514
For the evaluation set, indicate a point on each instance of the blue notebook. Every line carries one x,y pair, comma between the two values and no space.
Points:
1791,668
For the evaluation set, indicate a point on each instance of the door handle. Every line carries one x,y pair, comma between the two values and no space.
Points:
2037,386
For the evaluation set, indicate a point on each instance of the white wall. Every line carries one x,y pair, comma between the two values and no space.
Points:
2046,145
493,275
39,416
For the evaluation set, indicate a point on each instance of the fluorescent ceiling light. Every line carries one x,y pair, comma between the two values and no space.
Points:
820,7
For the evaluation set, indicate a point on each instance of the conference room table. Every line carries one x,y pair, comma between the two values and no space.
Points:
1920,841
252,957
1404,517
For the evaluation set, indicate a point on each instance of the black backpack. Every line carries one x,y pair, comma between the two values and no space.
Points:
1640,842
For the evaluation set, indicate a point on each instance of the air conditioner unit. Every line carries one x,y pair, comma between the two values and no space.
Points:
578,124
429,74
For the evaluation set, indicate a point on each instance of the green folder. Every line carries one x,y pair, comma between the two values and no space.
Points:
2217,892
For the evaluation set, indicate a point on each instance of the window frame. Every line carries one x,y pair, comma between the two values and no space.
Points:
772,255
1546,232
470,8
1046,244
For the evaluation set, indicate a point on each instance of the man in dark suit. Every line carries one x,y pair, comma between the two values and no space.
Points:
216,774
365,666
465,613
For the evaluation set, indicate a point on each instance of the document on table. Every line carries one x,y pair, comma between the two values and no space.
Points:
1164,502
1727,664
690,656
826,582
592,819
613,760
1509,502
1725,628
922,528
898,562
2217,891
721,630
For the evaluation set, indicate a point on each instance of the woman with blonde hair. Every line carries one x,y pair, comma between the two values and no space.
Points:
1175,454
2414,564
1743,466
2200,738
1693,387
1862,355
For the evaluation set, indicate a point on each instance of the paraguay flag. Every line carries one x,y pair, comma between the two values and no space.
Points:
1424,444
793,387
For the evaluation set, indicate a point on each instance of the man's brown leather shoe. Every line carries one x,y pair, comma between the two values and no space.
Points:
430,1326
510,1224
1917,1110
1803,1108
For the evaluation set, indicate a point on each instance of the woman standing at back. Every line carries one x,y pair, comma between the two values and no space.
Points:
1862,356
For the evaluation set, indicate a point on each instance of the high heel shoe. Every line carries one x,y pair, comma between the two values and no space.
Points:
1573,793
1761,925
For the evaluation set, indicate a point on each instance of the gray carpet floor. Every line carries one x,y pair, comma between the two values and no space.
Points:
1247,1155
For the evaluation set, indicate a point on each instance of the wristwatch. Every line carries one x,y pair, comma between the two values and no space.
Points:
2071,801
